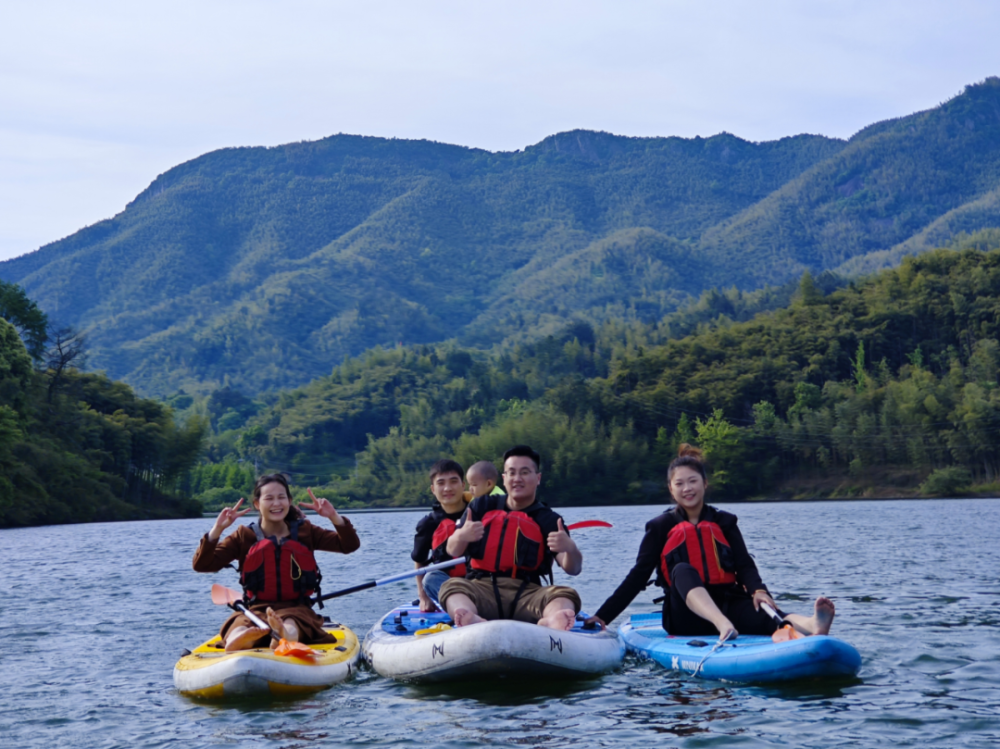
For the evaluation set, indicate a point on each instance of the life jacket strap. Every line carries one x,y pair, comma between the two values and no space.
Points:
513,604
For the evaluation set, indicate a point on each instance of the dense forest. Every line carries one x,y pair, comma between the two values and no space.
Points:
77,447
265,268
886,386
880,387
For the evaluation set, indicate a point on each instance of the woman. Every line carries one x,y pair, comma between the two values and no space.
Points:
701,561
277,568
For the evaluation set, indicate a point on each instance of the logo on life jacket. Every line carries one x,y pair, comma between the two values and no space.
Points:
279,570
441,535
704,547
512,543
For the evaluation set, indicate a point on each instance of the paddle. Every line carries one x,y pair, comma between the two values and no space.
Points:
393,578
589,524
223,596
786,631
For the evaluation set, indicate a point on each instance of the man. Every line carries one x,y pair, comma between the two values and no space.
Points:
511,542
434,529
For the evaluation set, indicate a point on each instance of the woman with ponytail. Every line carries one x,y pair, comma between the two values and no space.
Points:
711,582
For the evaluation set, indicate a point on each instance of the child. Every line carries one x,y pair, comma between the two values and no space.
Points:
436,527
482,479
270,589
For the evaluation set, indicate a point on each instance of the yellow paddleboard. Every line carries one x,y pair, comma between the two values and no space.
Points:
209,672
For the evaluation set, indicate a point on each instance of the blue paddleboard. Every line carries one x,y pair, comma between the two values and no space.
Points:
748,658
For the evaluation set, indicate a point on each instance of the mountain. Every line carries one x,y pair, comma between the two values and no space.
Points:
264,268
902,186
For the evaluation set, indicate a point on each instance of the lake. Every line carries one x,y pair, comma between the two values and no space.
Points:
93,618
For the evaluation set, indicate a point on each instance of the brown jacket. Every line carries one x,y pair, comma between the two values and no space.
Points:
212,556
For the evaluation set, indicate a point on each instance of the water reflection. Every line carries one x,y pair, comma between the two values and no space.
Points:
502,691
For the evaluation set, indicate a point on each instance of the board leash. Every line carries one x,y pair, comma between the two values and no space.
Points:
716,646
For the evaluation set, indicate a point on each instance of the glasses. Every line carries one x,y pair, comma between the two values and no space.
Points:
523,473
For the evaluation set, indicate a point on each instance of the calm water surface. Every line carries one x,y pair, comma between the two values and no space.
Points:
93,618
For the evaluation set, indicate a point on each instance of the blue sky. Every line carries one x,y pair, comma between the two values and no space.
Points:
98,98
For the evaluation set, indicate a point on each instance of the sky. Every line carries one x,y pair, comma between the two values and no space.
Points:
98,98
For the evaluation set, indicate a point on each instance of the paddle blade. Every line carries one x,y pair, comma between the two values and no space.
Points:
589,524
223,596
786,633
295,649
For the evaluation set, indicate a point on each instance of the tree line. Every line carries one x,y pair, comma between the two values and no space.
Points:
77,446
886,385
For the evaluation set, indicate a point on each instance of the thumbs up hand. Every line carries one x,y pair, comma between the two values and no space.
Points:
559,541
471,530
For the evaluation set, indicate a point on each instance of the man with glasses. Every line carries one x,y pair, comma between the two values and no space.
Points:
511,542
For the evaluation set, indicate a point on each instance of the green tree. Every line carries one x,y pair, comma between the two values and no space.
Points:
24,314
724,448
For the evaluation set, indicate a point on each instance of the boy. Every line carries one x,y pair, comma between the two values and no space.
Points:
482,479
434,529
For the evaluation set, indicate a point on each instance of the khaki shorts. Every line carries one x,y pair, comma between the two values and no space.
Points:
530,605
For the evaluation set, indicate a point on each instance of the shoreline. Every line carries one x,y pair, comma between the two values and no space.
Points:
778,500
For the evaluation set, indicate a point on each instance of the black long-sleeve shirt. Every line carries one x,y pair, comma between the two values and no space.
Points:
651,549
423,539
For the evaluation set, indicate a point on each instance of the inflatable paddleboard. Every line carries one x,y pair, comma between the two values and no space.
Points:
748,658
413,646
209,672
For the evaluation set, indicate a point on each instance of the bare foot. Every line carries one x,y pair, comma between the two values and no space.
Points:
243,638
563,620
823,615
277,626
464,617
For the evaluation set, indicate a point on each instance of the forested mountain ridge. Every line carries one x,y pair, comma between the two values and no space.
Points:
265,267
885,190
885,387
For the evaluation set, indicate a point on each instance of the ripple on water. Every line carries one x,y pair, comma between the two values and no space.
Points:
95,670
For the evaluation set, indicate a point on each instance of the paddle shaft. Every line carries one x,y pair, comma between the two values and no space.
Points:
772,613
392,579
237,606
438,566
401,576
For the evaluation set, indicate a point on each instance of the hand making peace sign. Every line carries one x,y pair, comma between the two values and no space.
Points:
323,508
226,518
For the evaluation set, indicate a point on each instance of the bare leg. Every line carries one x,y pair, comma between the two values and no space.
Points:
462,610
817,624
243,638
559,613
701,603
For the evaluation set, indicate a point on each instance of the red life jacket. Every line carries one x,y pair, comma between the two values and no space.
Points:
512,543
704,547
279,570
441,535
